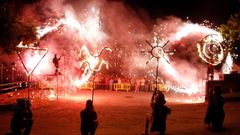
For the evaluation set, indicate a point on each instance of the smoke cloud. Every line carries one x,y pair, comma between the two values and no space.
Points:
116,25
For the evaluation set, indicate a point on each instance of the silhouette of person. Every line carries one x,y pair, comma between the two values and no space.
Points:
111,82
215,113
89,120
56,64
159,114
149,115
22,118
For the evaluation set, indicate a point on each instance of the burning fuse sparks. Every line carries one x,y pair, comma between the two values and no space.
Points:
227,66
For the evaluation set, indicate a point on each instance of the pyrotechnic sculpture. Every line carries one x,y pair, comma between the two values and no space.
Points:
157,51
210,49
29,73
93,62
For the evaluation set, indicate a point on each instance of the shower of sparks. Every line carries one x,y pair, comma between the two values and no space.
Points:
52,95
94,64
210,49
88,30
227,66
53,25
189,28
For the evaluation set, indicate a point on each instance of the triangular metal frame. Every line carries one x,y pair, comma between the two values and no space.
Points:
20,46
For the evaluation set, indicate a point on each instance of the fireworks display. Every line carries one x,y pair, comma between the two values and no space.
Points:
74,30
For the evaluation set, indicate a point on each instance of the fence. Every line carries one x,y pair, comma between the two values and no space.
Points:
9,87
122,86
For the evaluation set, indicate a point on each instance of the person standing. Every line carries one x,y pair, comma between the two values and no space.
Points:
159,114
89,120
56,64
22,118
215,113
142,84
137,85
111,82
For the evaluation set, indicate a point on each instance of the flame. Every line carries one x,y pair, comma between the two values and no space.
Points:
33,57
49,27
29,46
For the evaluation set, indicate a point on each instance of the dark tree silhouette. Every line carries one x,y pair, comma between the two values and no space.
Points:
12,27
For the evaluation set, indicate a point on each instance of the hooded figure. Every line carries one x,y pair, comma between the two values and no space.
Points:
215,113
89,121
22,118
160,112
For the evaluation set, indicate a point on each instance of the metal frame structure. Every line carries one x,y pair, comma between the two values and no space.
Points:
29,73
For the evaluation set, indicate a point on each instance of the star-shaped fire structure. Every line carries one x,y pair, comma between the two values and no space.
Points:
157,51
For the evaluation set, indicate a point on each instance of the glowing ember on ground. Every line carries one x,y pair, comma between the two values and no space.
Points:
52,95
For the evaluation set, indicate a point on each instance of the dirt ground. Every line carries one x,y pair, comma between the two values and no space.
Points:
119,113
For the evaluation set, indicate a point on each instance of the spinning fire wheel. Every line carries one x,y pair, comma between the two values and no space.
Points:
158,52
210,49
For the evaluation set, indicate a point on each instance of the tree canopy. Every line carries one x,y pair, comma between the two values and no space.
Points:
231,33
13,29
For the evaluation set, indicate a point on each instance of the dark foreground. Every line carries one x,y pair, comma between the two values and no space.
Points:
120,113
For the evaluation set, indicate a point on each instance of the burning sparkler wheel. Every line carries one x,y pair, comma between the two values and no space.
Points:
157,52
210,49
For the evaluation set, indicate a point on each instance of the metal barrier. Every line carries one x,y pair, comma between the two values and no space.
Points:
160,87
11,86
122,86
87,85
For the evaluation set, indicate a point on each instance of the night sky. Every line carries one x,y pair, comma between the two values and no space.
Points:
216,11
197,11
